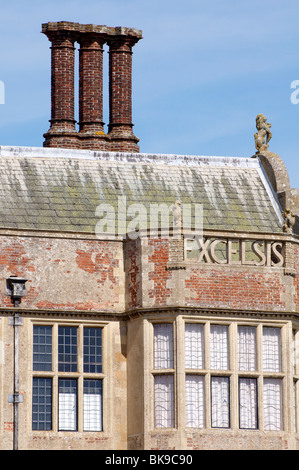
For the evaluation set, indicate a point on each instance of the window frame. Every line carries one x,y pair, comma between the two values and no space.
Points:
55,375
155,372
295,373
233,373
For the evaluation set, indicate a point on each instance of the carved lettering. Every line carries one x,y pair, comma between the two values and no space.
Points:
204,247
268,253
232,251
238,252
212,252
277,254
261,254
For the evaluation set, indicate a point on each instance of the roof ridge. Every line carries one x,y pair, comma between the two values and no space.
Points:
149,158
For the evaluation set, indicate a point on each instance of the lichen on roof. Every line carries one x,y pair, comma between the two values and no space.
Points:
58,189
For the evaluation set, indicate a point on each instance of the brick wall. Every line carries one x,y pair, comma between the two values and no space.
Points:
133,274
89,274
234,288
64,273
152,283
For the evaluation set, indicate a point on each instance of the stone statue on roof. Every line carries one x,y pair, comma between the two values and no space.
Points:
289,221
263,134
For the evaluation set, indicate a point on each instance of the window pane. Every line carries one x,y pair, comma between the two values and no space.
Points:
42,348
219,347
92,404
295,406
248,403
271,349
272,404
247,348
194,346
295,351
220,402
67,392
42,404
163,346
92,355
164,401
195,414
67,349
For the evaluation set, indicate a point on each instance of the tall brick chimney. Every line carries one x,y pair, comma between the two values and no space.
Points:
92,135
91,38
120,93
62,132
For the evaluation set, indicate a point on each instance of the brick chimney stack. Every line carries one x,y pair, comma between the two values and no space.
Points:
91,135
120,93
62,132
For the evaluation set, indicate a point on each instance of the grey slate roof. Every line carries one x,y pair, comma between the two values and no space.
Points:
59,189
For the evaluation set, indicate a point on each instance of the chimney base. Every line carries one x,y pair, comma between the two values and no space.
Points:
62,135
122,139
93,139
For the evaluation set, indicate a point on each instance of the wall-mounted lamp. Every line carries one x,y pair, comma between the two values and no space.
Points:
15,288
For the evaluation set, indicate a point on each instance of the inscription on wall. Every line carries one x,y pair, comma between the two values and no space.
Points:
235,251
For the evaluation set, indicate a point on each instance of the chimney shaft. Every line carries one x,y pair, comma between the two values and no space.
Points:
62,132
120,95
91,135
91,123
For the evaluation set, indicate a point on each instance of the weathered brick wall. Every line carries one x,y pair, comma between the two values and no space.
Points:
64,273
167,283
133,274
159,292
89,275
234,288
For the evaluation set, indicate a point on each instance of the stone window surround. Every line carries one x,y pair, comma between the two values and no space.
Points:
79,375
286,375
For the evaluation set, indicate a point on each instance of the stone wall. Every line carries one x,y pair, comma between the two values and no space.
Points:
123,287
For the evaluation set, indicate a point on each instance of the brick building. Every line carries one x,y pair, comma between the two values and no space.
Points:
147,301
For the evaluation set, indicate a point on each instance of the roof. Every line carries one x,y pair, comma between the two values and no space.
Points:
60,189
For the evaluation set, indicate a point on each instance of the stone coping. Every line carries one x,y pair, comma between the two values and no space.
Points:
90,28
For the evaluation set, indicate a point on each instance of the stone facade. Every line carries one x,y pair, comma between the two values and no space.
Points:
81,278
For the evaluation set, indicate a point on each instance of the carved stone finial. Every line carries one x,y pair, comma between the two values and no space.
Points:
289,221
263,134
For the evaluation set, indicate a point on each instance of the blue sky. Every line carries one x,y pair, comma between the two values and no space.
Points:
201,73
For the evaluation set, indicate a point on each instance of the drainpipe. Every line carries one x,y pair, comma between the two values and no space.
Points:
15,287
